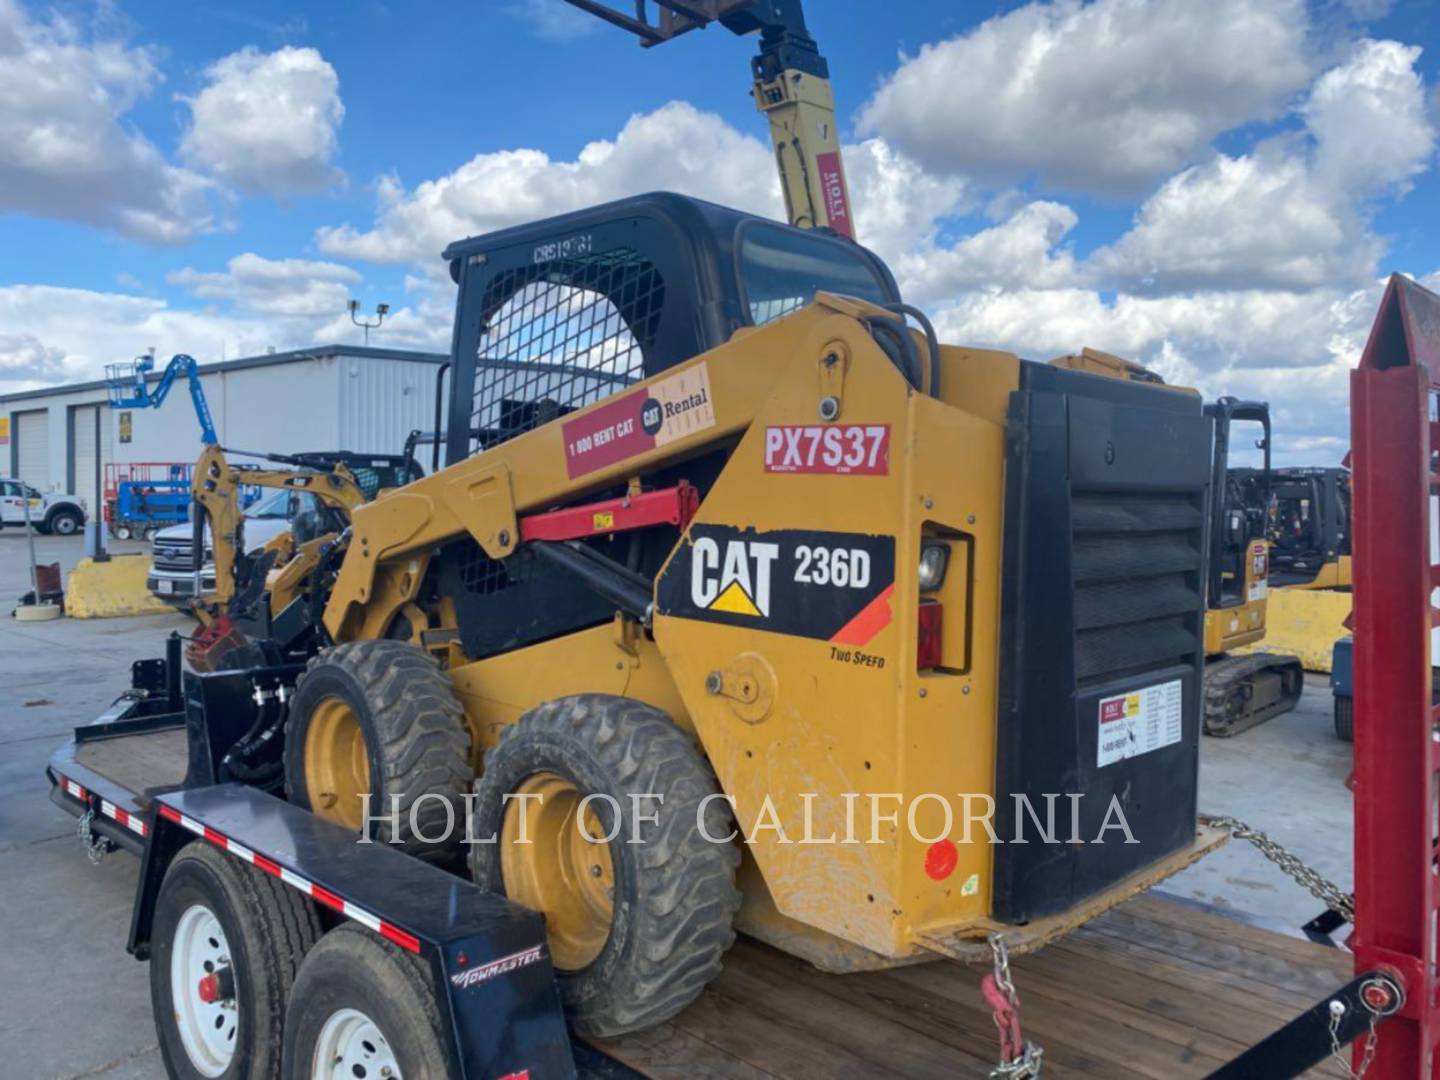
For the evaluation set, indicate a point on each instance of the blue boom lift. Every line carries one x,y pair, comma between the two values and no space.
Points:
143,503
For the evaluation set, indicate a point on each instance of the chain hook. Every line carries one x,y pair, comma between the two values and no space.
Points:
1019,1059
96,847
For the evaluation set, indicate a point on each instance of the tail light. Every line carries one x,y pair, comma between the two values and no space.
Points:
928,640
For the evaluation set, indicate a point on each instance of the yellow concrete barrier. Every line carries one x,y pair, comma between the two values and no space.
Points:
104,590
1304,623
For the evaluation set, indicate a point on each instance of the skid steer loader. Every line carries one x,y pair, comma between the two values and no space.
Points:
740,600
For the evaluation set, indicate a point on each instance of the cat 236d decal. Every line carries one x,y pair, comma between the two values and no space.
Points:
832,586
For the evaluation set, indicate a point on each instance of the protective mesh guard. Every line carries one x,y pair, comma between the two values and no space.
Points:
562,335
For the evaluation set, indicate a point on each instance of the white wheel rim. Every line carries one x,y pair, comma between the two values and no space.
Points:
207,1029
64,526
351,1047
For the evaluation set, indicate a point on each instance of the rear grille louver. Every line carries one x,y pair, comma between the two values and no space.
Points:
1137,582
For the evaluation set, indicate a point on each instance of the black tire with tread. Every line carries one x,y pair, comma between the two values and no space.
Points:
1344,718
675,891
69,513
354,968
415,734
270,928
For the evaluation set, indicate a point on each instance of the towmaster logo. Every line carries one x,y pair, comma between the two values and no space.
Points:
733,577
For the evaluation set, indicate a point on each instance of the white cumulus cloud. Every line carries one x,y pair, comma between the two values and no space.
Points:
268,123
1106,96
288,287
65,149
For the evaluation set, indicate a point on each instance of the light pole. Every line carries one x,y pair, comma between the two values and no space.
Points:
381,310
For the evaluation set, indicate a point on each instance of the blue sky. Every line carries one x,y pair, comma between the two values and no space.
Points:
1215,189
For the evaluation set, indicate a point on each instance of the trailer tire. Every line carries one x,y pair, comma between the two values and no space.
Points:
266,928
414,745
354,978
672,896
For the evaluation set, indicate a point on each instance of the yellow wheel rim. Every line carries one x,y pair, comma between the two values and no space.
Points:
337,766
557,868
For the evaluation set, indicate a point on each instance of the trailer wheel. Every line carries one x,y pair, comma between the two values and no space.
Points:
381,718
226,943
363,1006
123,532
636,930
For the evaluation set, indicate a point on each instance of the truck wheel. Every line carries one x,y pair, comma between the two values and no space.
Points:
636,930
362,1007
64,522
123,532
226,942
1344,718
380,717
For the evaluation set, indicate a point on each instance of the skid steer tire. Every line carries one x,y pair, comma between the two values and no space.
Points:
263,927
409,746
386,997
674,895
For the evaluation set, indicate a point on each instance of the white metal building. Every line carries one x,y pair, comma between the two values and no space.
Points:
332,397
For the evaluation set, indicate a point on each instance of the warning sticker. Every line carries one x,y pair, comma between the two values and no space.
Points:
1140,721
1259,573
632,423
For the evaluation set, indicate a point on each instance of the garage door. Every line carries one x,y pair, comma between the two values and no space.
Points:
82,419
32,448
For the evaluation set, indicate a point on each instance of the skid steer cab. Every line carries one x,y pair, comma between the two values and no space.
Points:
745,603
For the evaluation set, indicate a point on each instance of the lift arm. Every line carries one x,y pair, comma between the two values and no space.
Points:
216,491
128,389
791,87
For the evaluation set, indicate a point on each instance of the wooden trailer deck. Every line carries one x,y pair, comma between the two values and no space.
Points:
1156,988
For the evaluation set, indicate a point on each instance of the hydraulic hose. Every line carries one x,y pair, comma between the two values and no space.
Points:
930,337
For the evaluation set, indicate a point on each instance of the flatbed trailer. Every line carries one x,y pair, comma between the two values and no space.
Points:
1158,987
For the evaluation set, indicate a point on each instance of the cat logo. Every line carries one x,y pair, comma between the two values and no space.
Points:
733,578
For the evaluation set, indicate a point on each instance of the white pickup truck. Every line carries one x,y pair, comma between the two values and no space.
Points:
61,514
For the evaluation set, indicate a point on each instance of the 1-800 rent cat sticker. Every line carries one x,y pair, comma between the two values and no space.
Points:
833,586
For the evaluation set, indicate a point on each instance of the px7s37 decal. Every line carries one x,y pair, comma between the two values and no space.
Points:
832,586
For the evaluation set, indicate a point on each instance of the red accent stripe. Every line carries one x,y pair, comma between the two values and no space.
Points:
868,622
265,864
400,937
326,897
215,838
169,813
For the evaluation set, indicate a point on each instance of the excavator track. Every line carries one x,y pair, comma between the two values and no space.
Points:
1243,691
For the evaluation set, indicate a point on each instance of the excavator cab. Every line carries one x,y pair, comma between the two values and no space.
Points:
1310,528
1241,691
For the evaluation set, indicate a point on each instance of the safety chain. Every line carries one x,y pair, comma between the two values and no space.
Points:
1337,1051
1019,1058
96,847
1319,886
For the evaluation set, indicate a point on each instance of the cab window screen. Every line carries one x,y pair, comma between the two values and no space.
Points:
783,270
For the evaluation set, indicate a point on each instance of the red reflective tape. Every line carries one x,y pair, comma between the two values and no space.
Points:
265,864
214,837
326,897
400,937
868,622
170,814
